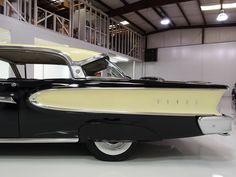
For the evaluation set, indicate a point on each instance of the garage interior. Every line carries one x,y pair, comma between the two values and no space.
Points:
174,40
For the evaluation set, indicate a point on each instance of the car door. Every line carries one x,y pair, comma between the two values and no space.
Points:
8,103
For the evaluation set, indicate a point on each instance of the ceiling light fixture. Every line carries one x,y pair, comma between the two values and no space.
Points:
165,21
218,6
210,7
124,22
229,6
222,15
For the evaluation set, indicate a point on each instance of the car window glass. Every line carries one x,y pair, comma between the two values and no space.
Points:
44,71
101,68
6,71
47,71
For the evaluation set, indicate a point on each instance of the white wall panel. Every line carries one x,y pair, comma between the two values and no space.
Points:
210,62
213,35
174,38
220,63
177,63
156,40
191,37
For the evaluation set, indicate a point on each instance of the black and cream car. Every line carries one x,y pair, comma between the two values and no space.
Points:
97,103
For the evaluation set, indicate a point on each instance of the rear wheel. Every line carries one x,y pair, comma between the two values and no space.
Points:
111,150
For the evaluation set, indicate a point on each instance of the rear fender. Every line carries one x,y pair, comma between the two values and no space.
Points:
115,131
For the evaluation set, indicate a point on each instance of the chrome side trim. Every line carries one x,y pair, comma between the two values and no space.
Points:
215,124
39,140
4,99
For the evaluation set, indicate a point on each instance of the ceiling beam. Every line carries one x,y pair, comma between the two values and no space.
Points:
143,4
157,12
133,24
183,13
140,15
124,2
195,27
166,15
203,16
146,20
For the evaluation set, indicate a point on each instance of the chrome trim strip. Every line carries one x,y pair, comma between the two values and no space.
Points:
215,124
39,140
126,88
33,101
4,99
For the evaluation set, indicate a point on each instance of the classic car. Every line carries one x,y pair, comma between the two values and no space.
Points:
98,104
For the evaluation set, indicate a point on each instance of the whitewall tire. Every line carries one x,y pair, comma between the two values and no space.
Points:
111,150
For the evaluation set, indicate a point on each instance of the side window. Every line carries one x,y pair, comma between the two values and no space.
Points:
101,68
6,71
44,71
47,71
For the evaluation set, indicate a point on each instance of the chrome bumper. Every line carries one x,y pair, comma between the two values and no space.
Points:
215,124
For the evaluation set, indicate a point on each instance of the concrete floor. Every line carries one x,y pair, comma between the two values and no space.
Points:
205,156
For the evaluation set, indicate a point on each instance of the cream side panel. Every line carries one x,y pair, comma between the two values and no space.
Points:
147,101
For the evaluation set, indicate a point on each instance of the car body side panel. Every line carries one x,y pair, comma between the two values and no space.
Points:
38,122
41,123
9,125
138,127
9,120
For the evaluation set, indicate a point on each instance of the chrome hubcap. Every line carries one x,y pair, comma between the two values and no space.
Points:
113,148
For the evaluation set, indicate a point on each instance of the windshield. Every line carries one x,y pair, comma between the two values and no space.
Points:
102,68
